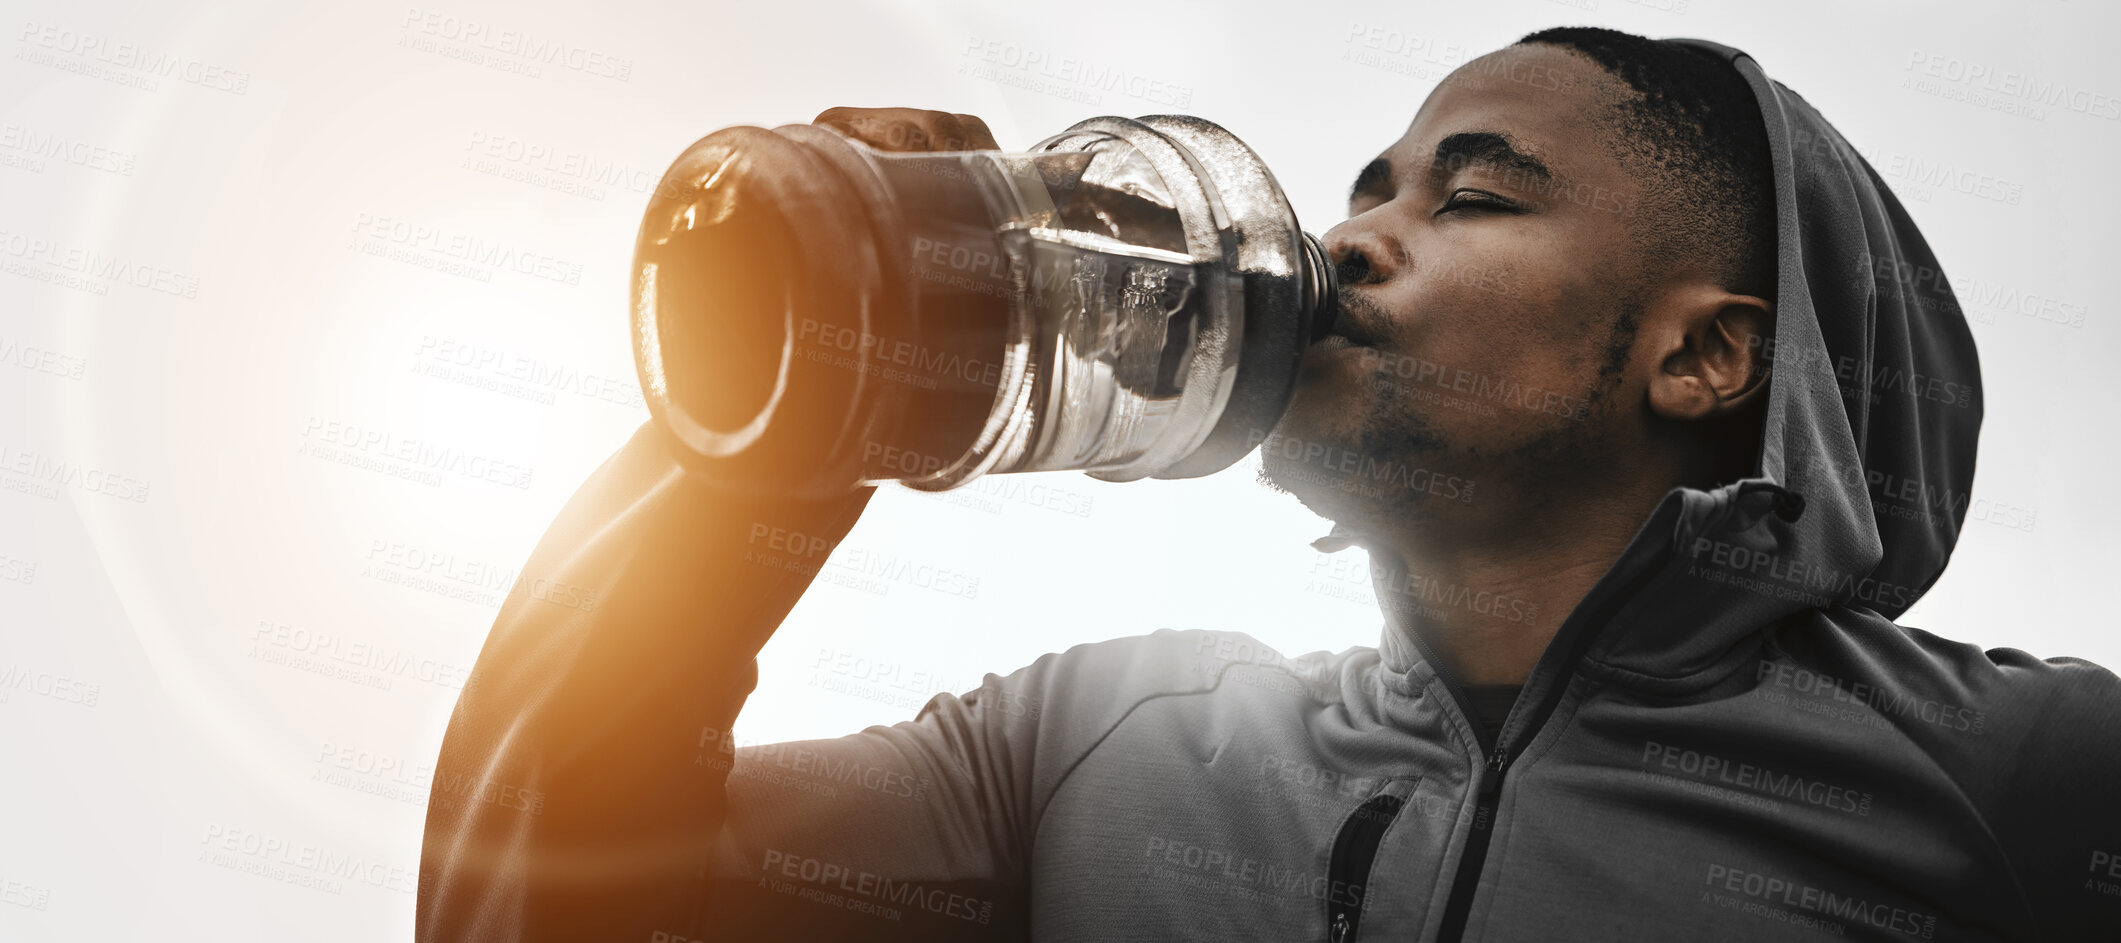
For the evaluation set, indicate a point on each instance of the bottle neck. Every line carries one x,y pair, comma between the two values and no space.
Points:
1320,287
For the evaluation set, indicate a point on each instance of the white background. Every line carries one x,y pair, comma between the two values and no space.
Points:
210,644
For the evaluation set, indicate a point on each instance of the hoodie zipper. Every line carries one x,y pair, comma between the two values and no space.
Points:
1453,926
1544,688
1475,856
1354,851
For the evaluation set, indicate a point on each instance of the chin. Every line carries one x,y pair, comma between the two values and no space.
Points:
1350,451
1328,405
1301,457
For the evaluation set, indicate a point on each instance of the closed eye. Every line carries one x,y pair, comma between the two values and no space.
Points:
1466,199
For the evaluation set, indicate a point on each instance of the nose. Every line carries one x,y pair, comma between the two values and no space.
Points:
1363,255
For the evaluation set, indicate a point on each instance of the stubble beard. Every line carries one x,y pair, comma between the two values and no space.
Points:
1363,481
1360,476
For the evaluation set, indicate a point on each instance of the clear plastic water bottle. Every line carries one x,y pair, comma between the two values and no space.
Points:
1131,298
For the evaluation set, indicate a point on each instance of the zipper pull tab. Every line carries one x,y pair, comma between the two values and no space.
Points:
1491,784
1340,927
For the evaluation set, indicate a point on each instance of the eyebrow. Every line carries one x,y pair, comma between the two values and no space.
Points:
1492,150
1373,181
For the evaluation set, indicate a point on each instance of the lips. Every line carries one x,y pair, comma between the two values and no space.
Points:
1351,322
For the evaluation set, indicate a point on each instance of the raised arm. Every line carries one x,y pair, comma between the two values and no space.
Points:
583,789
568,804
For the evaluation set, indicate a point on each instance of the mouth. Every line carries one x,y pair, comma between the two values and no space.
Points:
1334,341
1348,325
1339,350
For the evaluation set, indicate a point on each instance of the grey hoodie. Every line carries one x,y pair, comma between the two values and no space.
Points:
1728,739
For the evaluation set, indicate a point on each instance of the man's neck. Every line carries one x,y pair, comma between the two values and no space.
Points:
1487,601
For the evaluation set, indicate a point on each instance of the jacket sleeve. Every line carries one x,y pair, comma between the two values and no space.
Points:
917,831
924,830
585,788
2059,817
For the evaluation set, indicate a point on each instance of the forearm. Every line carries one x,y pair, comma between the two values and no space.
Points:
592,714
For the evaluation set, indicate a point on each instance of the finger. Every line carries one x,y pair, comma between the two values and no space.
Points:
909,129
977,137
886,129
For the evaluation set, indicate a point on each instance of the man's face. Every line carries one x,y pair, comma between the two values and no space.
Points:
1486,264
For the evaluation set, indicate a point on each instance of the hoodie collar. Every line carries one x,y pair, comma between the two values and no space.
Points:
1682,603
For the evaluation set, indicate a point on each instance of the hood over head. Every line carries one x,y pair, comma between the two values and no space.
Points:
1875,399
1866,458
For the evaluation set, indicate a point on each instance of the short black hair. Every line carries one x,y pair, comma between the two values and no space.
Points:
1694,133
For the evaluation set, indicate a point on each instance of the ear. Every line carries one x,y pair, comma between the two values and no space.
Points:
1713,359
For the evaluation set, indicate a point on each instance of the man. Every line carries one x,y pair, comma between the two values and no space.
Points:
1639,684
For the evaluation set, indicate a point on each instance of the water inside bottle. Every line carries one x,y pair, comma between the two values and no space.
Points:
1117,321
1061,277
